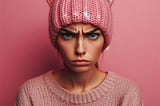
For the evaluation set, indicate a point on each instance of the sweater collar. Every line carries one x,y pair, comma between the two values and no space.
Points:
79,98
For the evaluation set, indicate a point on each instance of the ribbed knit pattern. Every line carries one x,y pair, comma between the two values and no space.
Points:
95,12
45,91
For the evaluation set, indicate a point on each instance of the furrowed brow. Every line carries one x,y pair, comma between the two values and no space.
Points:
68,31
92,31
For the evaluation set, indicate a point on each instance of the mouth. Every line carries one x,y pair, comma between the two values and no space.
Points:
80,62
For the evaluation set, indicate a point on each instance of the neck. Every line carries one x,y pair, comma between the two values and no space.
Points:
81,81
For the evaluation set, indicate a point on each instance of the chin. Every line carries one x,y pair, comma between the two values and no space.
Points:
79,69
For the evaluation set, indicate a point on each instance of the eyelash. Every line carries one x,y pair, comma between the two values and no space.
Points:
65,37
97,35
73,36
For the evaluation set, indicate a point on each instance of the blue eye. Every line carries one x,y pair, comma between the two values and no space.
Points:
93,36
67,36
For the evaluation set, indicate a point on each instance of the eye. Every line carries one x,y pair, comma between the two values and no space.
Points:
93,36
67,36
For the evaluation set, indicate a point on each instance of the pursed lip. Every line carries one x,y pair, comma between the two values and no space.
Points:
80,62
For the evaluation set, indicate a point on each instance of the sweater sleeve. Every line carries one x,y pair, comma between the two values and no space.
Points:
133,97
23,97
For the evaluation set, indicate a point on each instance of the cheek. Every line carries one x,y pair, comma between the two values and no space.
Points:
98,49
65,49
96,46
95,50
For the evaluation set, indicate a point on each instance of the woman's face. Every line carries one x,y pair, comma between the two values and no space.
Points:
80,46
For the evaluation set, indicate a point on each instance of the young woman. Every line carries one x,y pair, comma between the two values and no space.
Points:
80,30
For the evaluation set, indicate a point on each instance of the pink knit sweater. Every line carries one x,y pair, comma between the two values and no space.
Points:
45,91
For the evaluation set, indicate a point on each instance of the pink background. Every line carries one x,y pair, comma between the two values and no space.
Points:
26,51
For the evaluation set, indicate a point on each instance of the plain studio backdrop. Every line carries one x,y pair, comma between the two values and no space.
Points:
26,50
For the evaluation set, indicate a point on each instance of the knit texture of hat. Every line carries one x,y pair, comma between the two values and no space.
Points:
95,12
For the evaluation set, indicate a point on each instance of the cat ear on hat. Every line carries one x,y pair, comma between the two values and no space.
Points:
111,2
50,2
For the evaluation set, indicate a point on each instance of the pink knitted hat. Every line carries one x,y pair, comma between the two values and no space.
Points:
95,12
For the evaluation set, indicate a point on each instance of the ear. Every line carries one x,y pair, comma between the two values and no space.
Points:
49,2
111,2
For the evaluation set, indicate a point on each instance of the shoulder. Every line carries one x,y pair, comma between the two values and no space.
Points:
32,90
122,82
34,83
129,90
123,86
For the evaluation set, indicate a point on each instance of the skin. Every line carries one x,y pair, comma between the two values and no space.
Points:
80,42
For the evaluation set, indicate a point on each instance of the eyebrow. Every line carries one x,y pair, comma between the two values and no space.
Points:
76,33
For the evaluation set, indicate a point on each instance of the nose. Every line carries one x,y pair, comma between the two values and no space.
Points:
80,46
